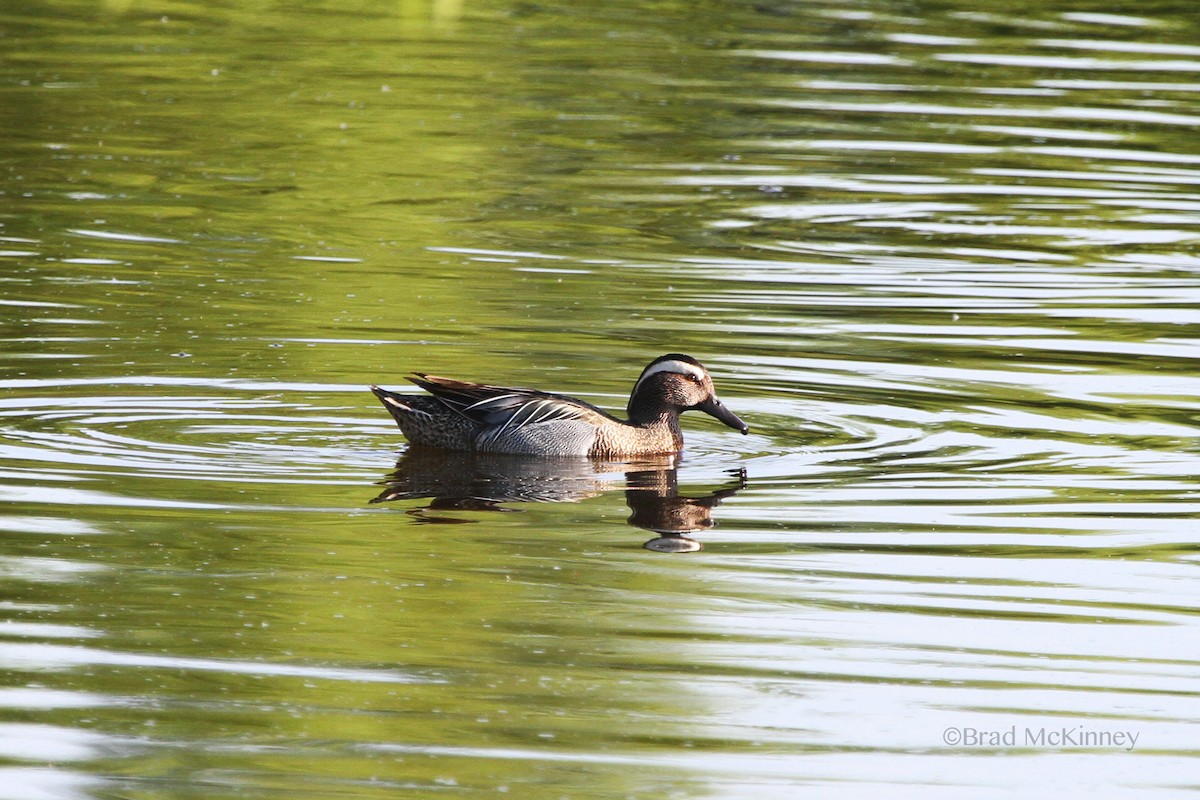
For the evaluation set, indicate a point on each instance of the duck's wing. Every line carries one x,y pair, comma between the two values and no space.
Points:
505,409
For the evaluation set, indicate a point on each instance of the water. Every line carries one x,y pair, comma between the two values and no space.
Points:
943,260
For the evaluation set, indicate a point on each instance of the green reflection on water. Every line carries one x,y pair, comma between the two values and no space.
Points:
954,289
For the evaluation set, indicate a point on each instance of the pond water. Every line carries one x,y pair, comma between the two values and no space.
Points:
945,261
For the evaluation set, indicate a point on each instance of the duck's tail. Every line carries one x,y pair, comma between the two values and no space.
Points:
398,405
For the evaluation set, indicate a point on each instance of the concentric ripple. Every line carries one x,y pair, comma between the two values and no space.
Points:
221,435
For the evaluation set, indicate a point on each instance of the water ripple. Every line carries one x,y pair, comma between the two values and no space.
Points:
201,437
50,657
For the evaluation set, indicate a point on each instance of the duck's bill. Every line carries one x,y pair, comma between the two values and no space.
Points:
715,408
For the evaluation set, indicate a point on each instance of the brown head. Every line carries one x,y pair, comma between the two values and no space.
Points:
672,384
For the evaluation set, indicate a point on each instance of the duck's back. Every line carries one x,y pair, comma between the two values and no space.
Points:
492,419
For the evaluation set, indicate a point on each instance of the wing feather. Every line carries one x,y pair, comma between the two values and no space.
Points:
505,410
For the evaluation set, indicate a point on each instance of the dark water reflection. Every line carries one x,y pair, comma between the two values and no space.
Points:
942,257
456,481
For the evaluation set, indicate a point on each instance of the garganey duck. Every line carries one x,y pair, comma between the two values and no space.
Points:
496,419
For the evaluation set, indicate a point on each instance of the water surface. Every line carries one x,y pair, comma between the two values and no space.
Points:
942,260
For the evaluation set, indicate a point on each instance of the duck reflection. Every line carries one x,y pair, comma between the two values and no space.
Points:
459,481
653,497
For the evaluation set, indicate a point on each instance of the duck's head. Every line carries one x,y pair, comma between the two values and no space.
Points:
681,383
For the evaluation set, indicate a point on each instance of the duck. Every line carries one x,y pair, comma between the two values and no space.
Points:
480,417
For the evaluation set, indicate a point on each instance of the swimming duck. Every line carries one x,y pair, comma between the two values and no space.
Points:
497,419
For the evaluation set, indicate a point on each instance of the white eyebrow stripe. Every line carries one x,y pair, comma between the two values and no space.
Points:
670,366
